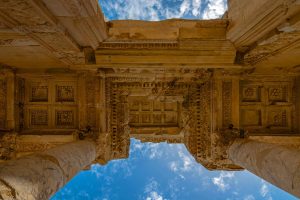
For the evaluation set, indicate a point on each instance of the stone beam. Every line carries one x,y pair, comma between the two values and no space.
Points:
83,19
40,175
166,43
61,27
276,164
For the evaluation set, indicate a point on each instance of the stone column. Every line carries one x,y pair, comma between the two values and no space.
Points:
274,163
40,175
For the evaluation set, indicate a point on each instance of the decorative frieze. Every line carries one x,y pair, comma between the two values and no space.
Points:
20,103
92,90
227,103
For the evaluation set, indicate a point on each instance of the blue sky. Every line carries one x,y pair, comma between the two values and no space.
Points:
165,172
154,10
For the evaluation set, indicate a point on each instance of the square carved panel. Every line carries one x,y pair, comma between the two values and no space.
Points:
65,93
157,119
251,93
277,118
134,118
170,118
39,93
38,117
277,93
157,105
251,117
146,118
64,118
134,105
146,105
170,106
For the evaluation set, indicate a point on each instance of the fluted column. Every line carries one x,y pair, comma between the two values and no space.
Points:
40,175
274,163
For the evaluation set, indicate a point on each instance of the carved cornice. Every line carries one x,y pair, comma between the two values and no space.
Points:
139,45
247,28
36,21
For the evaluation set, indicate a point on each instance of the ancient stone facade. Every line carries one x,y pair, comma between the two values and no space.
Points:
221,87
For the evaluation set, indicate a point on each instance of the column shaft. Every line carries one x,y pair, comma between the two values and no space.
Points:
40,175
274,163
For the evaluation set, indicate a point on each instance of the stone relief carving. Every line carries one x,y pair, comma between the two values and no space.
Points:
65,93
92,89
39,93
64,118
227,103
38,118
20,99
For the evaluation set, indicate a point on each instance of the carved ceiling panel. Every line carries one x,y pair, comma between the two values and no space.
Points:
267,106
145,112
49,103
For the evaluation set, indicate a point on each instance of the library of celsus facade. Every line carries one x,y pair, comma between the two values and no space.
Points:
75,88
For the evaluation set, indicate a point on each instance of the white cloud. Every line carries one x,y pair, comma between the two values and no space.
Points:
214,9
155,196
187,162
264,191
173,166
184,7
196,4
249,197
152,185
151,191
222,181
